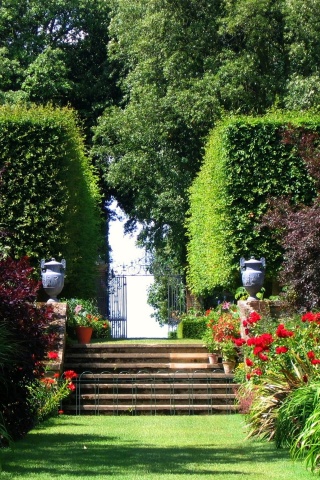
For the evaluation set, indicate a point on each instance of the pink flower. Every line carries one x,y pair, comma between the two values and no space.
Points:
78,309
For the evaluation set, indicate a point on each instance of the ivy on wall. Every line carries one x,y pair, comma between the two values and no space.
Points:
246,162
49,193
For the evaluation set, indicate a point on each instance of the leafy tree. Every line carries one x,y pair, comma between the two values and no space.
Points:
184,65
71,35
46,79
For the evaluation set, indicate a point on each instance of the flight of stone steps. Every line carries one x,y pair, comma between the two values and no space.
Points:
117,379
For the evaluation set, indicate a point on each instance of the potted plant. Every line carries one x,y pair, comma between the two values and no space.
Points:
84,318
229,354
211,346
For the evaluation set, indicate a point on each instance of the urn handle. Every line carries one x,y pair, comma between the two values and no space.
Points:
242,263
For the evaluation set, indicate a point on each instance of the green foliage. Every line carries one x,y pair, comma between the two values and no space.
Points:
49,194
246,162
192,325
85,312
56,52
211,345
46,79
306,446
45,398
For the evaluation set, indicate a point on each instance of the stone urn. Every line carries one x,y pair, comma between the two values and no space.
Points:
252,272
52,274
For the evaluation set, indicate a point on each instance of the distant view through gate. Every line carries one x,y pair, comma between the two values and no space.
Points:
117,297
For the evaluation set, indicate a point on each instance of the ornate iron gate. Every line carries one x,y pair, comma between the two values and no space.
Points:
117,296
117,305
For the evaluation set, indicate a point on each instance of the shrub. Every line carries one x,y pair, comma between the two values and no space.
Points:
247,161
193,325
49,193
28,327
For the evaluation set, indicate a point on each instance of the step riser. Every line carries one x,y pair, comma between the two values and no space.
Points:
147,380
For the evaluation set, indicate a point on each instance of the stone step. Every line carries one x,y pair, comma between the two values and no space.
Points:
156,386
173,356
147,379
165,408
136,366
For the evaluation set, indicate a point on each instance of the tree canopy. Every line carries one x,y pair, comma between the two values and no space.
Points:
56,51
186,65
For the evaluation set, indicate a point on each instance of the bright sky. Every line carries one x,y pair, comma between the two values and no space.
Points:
124,251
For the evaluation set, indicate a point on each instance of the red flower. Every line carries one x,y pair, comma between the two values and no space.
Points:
263,357
257,371
249,362
254,317
245,323
61,412
70,374
281,350
53,355
263,341
56,375
48,381
315,361
308,317
239,342
282,332
257,350
248,376
71,386
311,355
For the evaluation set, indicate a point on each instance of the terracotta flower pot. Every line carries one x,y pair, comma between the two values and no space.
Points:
84,334
228,366
213,358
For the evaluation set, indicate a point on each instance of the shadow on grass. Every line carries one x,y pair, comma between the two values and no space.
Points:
93,455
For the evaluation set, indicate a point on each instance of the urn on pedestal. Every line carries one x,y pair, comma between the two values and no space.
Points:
52,274
252,272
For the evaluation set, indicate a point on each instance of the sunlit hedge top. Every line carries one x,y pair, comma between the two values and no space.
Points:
247,160
49,193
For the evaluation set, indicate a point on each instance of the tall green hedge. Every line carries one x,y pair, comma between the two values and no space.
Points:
49,193
247,160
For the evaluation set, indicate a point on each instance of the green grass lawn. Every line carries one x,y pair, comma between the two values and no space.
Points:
146,447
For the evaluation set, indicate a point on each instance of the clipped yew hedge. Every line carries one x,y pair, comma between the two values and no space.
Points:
49,193
247,160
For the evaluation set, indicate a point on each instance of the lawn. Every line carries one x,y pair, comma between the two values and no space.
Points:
146,447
